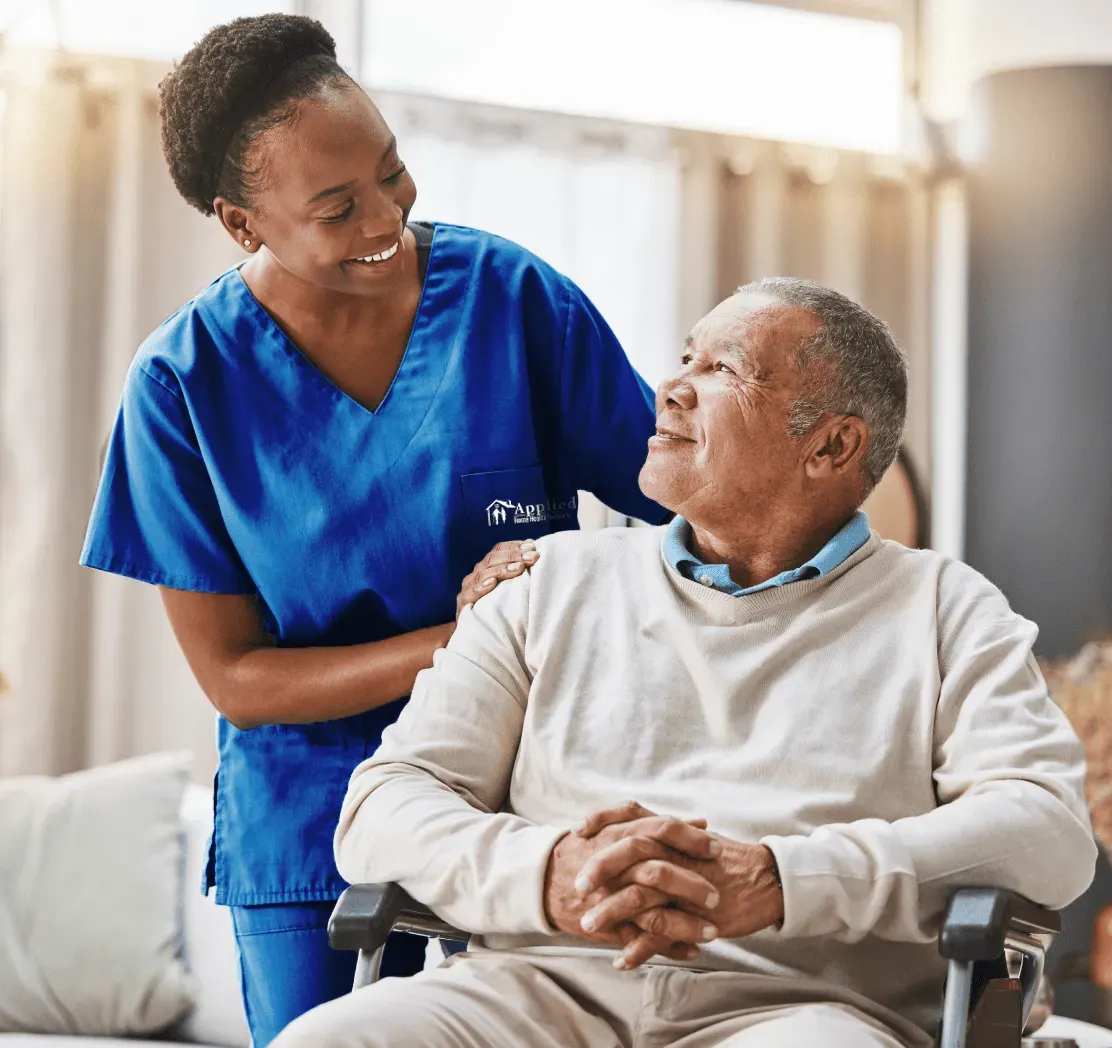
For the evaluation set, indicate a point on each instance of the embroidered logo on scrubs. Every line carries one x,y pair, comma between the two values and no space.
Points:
501,511
496,512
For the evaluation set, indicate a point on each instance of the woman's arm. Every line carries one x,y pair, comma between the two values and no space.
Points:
253,682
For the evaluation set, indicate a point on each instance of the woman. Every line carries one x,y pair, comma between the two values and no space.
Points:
312,453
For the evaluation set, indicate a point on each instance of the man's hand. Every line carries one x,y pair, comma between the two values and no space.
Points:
667,852
749,897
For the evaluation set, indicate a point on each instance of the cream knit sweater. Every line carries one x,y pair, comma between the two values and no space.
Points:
883,729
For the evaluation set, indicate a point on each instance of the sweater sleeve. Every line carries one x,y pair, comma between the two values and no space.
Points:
1009,777
424,811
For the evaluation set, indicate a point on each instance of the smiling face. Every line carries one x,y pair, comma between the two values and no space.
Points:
334,196
722,421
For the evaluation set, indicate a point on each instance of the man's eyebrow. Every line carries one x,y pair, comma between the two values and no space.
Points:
738,353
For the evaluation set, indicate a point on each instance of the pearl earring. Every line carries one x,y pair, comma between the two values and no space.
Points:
247,243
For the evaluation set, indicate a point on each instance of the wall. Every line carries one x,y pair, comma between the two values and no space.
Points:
1040,368
965,40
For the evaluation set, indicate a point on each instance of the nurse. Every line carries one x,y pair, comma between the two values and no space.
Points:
313,453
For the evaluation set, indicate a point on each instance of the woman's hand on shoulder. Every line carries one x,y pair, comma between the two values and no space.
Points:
506,561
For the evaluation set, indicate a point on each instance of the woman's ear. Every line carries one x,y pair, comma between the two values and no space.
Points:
237,222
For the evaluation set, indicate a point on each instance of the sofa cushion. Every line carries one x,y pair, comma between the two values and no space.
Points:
41,1040
1086,1035
210,945
90,890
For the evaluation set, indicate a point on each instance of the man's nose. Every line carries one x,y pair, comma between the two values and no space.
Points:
676,391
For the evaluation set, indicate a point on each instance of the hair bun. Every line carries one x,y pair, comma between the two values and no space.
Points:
223,81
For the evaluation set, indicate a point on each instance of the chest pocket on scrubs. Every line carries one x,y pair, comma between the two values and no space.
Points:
508,505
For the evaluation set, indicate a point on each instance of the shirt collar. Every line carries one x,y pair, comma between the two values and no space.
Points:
677,552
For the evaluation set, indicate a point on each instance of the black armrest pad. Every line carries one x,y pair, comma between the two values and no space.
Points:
364,915
978,919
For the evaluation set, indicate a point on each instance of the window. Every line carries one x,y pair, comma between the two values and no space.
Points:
152,29
716,65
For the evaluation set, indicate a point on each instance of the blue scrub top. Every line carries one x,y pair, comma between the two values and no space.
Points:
236,466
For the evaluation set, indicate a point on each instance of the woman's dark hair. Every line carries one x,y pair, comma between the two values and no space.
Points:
240,80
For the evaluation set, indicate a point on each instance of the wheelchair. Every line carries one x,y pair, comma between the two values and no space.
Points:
995,943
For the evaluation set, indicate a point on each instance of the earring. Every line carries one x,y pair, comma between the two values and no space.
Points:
247,243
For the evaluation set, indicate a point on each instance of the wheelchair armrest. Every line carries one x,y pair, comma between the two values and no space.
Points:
365,915
978,920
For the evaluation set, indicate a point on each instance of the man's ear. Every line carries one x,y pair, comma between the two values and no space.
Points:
237,222
838,445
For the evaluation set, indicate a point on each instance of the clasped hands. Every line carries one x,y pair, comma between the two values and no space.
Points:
654,884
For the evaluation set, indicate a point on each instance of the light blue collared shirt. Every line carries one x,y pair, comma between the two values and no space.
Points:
677,540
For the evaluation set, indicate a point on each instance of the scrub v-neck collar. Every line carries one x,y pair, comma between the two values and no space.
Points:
414,387
294,351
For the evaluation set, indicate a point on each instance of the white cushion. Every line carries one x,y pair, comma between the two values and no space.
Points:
210,947
1086,1035
40,1040
90,886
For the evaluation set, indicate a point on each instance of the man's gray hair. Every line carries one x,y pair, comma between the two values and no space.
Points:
860,370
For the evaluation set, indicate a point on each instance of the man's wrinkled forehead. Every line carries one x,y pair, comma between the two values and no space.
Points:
751,324
744,304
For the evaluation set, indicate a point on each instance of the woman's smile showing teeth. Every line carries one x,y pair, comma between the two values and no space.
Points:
382,256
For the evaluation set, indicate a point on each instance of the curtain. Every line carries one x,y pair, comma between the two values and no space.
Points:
96,249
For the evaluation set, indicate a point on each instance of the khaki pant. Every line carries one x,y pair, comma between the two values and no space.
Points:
516,1000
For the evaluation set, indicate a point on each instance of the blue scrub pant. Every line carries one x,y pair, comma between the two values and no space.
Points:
286,966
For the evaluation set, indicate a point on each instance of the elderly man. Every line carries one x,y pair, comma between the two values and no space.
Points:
834,732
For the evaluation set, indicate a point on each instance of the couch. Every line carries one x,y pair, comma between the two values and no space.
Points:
217,1019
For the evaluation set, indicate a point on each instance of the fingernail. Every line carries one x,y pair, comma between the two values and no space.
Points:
582,883
527,544
514,567
692,953
715,848
589,922
486,584
709,932
712,900
528,557
621,963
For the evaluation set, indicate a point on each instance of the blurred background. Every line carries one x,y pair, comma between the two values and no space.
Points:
946,162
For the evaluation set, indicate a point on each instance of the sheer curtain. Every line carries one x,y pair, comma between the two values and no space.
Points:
599,202
96,249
